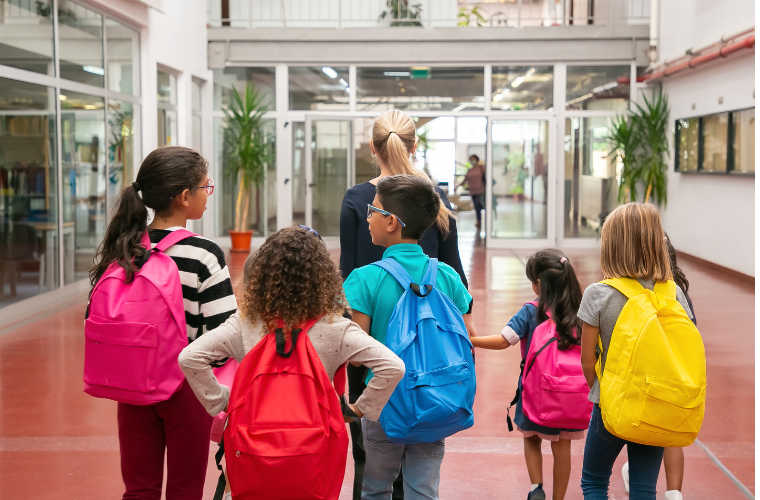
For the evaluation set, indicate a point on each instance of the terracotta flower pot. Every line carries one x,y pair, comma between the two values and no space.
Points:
241,241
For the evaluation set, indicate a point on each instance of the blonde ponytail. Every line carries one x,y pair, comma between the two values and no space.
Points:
394,137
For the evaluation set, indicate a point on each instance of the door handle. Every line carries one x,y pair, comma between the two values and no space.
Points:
312,184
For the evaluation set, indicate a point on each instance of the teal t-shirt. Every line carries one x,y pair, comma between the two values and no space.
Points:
373,291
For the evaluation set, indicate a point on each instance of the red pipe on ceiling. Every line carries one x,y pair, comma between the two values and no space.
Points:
725,51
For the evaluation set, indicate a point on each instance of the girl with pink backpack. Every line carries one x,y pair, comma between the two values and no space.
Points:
156,288
552,395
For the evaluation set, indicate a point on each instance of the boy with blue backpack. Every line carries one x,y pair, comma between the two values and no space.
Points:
414,305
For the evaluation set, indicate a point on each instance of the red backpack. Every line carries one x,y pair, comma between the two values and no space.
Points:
285,436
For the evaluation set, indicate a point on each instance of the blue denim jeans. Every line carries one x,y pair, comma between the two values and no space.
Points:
421,465
603,448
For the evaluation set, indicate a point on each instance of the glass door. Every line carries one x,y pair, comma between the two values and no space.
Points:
520,198
328,172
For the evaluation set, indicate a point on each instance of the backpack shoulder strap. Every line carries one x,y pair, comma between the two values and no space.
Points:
667,288
396,270
627,286
431,273
173,238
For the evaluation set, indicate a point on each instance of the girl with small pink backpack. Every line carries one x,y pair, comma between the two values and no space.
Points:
552,394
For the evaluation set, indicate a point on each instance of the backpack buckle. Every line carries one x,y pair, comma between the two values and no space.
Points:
416,289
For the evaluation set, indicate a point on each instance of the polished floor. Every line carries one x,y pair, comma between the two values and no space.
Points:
58,443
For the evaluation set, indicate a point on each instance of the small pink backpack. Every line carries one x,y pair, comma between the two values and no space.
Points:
135,331
555,392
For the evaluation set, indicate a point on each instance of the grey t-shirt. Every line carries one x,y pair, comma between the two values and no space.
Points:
601,306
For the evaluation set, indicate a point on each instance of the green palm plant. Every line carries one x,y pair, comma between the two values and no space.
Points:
246,150
624,141
652,123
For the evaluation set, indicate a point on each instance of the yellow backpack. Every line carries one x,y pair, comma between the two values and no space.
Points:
655,377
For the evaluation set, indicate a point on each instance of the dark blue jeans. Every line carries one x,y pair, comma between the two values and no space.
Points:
602,449
477,204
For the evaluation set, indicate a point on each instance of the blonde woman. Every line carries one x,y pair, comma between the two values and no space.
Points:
394,141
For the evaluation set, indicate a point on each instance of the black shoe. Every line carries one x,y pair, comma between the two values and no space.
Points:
538,493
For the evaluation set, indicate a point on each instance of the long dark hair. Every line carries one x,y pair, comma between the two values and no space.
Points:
560,294
678,276
165,173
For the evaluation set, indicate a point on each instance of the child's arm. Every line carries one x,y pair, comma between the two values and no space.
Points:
589,339
364,322
496,342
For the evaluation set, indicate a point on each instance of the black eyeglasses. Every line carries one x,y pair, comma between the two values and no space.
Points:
312,231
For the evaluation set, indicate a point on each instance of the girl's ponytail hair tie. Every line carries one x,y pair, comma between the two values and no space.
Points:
136,187
563,260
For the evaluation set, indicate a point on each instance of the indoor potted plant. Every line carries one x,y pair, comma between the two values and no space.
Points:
246,153
516,163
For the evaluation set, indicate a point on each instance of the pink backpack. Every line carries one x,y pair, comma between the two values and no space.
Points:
555,392
135,331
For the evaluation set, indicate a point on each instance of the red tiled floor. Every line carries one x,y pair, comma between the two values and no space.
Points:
58,443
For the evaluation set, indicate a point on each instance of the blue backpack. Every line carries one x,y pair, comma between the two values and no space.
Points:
426,330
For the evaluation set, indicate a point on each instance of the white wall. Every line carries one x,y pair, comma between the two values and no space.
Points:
709,216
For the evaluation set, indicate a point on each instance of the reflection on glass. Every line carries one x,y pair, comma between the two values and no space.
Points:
261,204
196,111
319,88
122,123
167,108
26,36
167,87
123,55
687,145
80,33
598,87
167,127
522,87
591,176
744,141
715,137
520,172
331,156
261,78
28,202
419,88
299,173
84,177
366,168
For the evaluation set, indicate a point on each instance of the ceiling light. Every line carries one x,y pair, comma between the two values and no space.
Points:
330,72
345,84
396,73
530,72
62,97
582,98
348,90
506,92
90,106
518,81
609,86
94,70
498,97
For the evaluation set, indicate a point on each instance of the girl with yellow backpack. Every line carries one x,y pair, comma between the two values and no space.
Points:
641,354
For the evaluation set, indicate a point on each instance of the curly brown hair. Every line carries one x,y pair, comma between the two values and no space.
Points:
291,277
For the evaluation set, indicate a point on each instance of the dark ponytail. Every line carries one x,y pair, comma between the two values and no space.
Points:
678,276
165,173
560,294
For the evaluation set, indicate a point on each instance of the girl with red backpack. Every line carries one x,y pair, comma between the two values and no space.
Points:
282,439
194,284
552,317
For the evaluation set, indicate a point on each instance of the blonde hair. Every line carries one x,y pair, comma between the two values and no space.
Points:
393,137
633,244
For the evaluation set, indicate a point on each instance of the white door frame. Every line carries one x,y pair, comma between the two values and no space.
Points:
553,182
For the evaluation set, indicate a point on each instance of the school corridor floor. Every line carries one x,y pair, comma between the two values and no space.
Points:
57,443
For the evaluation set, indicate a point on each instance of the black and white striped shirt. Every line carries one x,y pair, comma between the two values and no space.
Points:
206,286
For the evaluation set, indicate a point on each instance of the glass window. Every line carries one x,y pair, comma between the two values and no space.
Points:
715,137
28,192
299,173
419,89
167,108
84,178
520,152
743,123
522,87
598,87
26,35
123,56
592,174
196,110
322,88
80,32
687,145
259,207
123,123
225,79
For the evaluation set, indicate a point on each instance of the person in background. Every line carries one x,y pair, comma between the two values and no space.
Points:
173,182
559,293
673,457
394,140
475,178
